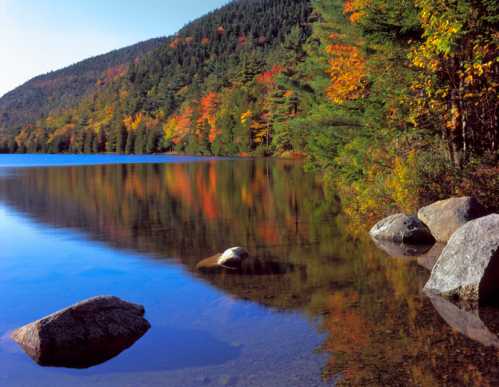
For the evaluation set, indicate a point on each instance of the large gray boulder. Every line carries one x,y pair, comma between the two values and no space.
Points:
444,217
84,334
468,267
401,228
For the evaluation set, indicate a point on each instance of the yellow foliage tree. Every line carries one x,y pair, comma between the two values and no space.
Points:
133,122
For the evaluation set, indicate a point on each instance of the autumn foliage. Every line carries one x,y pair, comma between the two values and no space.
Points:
353,9
208,110
347,72
267,78
178,126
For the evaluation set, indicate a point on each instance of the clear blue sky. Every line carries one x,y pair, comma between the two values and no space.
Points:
37,36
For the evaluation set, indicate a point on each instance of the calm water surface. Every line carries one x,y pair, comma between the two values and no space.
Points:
322,307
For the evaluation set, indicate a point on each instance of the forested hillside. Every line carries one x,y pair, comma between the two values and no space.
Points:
393,101
64,88
191,92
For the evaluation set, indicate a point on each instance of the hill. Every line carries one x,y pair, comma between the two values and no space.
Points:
168,99
64,88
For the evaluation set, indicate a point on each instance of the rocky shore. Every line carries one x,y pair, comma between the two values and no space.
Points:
464,263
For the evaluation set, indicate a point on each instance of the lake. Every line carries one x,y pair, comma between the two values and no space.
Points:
323,308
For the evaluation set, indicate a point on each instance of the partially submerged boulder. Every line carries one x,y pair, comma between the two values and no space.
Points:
231,259
85,334
401,228
468,267
444,217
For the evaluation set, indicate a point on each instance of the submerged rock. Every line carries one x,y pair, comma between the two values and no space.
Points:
231,259
444,217
401,228
468,267
85,334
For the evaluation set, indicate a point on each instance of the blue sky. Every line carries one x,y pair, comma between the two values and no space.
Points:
38,36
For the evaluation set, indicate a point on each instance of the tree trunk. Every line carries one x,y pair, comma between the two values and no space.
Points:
455,130
463,121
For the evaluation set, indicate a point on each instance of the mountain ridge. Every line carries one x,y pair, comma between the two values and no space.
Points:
14,102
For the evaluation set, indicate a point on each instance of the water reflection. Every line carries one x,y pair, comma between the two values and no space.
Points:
467,320
184,211
379,329
250,267
401,250
425,255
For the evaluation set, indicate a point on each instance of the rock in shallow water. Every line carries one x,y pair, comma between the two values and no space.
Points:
468,267
444,217
401,228
210,265
231,259
85,334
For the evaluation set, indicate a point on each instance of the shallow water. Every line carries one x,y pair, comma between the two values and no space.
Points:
322,308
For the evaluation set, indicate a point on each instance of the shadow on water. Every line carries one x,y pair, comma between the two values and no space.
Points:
378,328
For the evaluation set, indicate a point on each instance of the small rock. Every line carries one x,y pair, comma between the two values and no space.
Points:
401,228
444,217
468,267
85,334
231,259
210,265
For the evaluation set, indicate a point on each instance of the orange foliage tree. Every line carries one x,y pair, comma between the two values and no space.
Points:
267,78
353,9
208,109
347,71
